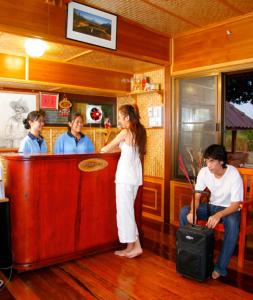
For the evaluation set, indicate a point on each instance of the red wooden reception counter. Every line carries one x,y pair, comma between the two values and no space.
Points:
62,206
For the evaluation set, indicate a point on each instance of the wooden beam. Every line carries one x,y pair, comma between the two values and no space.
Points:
77,55
167,144
74,75
56,74
12,66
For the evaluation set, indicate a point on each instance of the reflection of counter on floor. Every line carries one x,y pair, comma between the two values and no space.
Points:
58,210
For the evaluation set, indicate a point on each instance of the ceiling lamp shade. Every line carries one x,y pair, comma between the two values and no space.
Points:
35,47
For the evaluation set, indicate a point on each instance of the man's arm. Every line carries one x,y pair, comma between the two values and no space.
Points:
190,215
215,219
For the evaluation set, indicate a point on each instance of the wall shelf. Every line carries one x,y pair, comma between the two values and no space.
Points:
141,92
145,92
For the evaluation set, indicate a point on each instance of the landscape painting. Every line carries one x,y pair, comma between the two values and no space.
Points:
91,26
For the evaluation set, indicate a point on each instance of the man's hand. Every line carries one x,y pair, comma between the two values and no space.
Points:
213,220
190,217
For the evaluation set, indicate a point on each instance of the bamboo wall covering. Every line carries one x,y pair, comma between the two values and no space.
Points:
153,186
154,159
97,135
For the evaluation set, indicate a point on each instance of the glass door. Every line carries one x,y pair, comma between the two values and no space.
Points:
196,119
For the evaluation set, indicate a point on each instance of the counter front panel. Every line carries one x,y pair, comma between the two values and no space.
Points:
59,209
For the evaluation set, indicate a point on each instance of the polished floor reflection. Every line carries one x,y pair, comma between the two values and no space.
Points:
161,239
150,276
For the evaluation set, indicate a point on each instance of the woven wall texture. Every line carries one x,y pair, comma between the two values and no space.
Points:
154,159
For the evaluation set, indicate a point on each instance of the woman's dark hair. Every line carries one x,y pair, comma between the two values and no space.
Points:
136,128
72,118
33,116
218,152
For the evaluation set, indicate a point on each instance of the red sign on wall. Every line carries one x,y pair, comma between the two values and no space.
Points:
49,101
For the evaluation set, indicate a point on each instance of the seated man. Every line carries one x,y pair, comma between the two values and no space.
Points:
226,187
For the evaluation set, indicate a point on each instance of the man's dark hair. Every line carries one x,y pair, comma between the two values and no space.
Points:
218,152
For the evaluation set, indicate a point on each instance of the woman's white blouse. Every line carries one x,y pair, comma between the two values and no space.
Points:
129,169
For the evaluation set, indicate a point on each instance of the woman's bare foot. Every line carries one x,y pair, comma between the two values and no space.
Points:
215,275
136,250
128,249
134,253
120,252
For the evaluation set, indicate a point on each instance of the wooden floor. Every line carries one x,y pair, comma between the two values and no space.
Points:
151,276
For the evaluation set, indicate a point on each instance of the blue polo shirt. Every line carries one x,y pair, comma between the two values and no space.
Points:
33,144
67,143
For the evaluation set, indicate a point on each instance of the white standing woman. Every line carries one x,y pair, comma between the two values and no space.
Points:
132,142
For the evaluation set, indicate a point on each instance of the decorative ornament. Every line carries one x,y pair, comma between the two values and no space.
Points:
96,114
64,107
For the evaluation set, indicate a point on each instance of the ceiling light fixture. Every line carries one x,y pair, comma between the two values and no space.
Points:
35,47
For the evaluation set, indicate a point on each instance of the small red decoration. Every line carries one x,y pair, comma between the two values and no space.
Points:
49,101
95,114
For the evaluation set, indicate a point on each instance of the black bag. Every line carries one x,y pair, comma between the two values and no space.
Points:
194,251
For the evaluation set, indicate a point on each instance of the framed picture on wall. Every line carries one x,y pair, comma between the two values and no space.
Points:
96,114
49,100
92,26
13,110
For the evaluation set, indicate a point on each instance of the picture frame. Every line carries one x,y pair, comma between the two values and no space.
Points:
108,111
13,110
94,114
92,26
53,118
49,100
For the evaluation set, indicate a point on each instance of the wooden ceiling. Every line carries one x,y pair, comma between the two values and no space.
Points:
168,17
173,17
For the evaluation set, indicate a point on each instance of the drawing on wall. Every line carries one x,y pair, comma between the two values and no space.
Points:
14,108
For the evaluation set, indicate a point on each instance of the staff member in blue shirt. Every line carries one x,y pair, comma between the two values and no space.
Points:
34,142
74,141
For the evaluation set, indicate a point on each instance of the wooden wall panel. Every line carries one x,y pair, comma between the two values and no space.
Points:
142,43
24,14
153,198
180,195
12,66
214,46
55,72
35,18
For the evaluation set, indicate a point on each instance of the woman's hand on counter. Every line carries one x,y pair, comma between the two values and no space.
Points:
102,150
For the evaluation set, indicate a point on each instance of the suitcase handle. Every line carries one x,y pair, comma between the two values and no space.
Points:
193,200
198,227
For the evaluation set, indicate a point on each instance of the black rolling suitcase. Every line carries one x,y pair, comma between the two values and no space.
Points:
194,251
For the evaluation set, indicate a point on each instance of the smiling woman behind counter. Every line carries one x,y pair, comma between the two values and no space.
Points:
34,141
74,141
